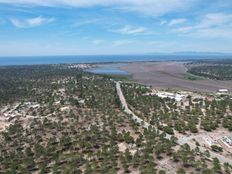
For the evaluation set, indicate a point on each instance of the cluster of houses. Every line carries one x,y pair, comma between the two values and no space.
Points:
8,113
180,96
80,66
163,94
175,96
222,142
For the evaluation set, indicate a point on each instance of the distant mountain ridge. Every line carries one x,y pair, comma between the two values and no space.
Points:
201,53
194,53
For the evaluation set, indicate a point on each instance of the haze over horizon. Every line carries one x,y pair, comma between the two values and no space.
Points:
78,27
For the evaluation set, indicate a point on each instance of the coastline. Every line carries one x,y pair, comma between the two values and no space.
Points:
104,59
160,74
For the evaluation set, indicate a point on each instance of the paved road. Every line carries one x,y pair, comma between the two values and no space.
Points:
181,140
127,110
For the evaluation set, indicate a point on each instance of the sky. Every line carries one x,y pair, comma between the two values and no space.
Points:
89,27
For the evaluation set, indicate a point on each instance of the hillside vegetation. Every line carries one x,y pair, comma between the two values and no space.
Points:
218,70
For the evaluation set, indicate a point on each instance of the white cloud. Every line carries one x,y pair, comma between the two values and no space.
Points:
86,22
162,22
177,21
184,29
157,7
31,22
148,7
118,43
154,43
129,30
213,33
215,19
97,41
161,44
211,25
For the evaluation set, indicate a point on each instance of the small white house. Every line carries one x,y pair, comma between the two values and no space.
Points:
223,90
174,96
228,140
82,101
210,141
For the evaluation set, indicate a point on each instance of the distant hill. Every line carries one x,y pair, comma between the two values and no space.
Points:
200,53
194,53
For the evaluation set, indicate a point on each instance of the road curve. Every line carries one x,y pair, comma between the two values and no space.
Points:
181,141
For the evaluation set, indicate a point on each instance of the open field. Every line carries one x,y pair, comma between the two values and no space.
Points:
172,75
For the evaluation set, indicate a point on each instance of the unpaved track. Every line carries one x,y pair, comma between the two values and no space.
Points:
181,140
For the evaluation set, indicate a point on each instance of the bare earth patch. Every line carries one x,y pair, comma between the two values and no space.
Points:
171,75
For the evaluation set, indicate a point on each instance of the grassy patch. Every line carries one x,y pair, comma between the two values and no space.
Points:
119,77
189,76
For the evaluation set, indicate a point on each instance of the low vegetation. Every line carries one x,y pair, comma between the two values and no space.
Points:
64,120
184,116
218,70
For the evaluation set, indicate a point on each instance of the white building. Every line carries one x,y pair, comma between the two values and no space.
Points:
177,97
223,91
228,140
210,141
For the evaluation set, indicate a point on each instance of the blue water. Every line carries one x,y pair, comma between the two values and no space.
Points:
112,69
108,70
99,59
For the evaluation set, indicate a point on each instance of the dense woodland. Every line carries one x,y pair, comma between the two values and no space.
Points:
80,126
218,70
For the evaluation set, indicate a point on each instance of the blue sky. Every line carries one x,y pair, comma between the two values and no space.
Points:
77,27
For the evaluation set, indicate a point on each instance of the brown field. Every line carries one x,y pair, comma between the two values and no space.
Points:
171,75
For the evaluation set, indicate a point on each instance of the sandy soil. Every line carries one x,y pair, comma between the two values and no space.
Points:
171,75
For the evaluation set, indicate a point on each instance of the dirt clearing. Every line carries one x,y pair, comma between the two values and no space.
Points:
171,75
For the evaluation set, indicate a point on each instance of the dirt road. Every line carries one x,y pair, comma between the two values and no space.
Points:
181,140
